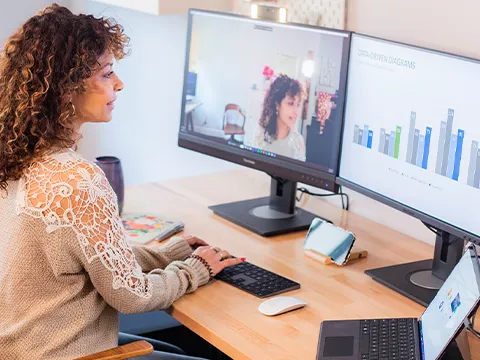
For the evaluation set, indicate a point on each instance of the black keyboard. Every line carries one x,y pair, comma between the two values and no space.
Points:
389,339
256,280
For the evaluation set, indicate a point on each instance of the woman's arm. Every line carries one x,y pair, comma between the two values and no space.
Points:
153,257
77,195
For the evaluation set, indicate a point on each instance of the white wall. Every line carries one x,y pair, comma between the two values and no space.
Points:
440,24
15,13
143,132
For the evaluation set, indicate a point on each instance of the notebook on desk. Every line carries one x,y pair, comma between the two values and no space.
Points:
142,228
411,339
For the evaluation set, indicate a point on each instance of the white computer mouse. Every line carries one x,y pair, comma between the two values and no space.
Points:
279,305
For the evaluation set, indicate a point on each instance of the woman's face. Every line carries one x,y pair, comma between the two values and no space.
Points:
97,102
288,110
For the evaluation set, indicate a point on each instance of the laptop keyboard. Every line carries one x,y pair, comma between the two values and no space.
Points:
256,280
387,339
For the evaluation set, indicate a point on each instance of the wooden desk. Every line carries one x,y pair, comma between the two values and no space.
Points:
228,318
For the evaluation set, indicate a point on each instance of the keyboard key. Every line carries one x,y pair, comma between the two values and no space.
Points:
256,280
387,339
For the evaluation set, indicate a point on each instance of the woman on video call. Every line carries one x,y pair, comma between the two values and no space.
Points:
281,107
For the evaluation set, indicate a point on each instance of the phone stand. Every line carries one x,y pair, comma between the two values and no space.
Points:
355,254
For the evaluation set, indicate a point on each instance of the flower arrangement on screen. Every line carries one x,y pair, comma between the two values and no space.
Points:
325,104
268,72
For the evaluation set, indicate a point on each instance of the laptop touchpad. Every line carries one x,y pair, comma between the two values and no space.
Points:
338,346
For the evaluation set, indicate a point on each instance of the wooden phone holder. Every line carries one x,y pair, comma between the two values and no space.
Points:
355,254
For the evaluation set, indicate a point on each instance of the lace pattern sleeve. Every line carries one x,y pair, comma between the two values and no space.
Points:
66,191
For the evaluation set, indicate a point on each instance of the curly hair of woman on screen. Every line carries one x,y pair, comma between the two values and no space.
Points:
278,122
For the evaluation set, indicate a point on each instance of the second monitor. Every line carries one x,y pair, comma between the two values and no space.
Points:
268,96
411,141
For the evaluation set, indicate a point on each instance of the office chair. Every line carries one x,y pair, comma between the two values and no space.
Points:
231,125
132,350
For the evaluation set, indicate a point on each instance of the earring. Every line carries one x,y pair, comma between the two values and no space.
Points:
73,108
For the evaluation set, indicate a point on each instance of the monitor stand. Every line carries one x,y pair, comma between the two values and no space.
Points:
269,216
421,280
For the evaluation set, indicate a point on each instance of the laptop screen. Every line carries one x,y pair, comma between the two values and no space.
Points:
453,303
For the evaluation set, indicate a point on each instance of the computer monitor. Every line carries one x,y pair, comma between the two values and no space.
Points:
270,97
410,140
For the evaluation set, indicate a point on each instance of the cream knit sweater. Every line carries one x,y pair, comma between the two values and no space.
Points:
66,268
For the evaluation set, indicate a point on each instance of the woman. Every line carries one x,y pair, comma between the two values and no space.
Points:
65,266
281,107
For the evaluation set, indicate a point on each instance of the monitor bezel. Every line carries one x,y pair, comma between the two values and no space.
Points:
287,169
424,217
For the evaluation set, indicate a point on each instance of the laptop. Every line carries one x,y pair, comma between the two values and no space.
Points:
411,339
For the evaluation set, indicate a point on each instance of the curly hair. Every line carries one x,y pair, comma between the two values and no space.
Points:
41,66
281,87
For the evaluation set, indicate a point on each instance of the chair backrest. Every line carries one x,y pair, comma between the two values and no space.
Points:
231,115
232,107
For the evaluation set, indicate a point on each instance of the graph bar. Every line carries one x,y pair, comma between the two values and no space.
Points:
458,154
397,142
441,145
370,139
448,137
451,156
382,141
426,150
365,136
416,136
411,133
360,136
473,163
421,149
391,145
476,179
387,144
355,134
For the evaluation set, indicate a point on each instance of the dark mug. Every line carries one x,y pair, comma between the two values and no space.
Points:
112,167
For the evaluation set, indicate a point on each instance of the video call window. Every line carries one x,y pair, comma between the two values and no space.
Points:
268,88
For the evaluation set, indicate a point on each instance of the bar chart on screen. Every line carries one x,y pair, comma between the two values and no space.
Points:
474,166
448,154
450,146
422,124
418,150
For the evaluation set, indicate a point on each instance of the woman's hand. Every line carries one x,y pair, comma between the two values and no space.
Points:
194,242
217,258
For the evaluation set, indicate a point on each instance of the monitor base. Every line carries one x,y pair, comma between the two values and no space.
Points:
398,278
256,216
420,280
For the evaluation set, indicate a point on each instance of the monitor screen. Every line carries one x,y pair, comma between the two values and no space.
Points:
453,303
191,83
266,91
411,131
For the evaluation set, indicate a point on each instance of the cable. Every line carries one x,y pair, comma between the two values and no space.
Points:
432,229
341,197
345,206
470,326
342,194
299,198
